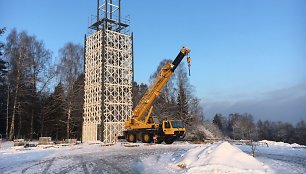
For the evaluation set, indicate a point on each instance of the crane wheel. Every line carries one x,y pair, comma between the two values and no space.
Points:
131,138
146,138
159,141
139,136
169,140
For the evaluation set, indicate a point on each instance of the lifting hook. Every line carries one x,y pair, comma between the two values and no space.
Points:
189,65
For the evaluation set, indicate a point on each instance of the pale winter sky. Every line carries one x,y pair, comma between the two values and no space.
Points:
247,56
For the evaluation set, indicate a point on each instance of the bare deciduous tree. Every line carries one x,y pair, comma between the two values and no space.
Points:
28,60
16,53
70,68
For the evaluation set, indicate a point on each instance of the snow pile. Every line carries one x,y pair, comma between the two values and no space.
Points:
280,144
221,158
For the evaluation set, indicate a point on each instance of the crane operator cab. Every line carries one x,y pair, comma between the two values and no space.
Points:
172,130
167,130
173,127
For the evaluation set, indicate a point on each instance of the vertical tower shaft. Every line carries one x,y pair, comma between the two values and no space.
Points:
108,74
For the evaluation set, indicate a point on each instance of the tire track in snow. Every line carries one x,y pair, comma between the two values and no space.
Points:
125,162
114,168
85,169
49,165
39,163
78,162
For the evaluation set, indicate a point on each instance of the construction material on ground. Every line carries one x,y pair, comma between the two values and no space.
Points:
45,141
19,142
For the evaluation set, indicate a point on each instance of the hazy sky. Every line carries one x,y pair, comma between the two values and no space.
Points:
247,56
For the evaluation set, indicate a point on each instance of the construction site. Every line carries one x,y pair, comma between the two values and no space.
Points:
109,75
121,97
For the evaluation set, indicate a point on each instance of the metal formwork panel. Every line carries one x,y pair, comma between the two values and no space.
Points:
108,85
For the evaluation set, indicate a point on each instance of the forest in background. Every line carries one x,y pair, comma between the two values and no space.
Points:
41,98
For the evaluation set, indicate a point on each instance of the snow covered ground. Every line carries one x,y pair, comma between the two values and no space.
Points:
281,157
180,157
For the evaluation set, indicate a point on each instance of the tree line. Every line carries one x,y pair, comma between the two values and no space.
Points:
42,98
39,97
242,126
30,105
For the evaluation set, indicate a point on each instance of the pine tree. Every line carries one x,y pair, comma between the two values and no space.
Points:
138,91
182,103
218,121
77,107
53,120
184,98
2,30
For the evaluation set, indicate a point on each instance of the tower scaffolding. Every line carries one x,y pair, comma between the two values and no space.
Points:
108,75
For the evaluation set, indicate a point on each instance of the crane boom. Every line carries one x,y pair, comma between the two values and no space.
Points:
158,84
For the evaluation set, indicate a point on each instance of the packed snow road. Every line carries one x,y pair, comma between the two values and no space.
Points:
179,157
127,161
90,159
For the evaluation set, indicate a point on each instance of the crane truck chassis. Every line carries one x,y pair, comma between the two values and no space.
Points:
147,128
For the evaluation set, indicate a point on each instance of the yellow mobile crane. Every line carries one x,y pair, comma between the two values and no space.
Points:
147,128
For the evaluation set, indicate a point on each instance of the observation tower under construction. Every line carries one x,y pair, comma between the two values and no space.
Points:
108,52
